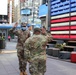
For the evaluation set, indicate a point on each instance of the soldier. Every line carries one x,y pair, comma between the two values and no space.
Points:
35,51
22,34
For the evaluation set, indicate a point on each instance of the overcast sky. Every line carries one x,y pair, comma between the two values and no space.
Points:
16,2
3,7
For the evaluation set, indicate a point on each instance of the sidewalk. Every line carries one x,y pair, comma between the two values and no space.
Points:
9,64
10,47
9,60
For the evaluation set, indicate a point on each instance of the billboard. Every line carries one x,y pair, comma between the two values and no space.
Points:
3,7
43,10
25,12
60,7
63,19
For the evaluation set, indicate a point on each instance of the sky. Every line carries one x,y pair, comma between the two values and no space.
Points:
16,1
3,7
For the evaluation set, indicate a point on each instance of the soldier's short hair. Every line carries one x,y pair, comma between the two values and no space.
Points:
37,30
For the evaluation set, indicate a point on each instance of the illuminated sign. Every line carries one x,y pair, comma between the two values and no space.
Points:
43,10
25,12
59,7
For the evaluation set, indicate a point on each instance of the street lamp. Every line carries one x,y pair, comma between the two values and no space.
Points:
49,14
33,9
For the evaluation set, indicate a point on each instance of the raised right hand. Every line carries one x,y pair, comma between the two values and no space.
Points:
16,24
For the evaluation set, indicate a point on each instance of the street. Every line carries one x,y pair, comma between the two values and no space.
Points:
9,65
54,19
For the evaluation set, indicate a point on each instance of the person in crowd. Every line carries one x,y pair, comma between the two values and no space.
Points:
9,37
22,34
30,29
35,52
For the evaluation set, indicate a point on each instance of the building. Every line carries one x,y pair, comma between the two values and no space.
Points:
3,12
17,16
11,12
43,13
33,8
6,18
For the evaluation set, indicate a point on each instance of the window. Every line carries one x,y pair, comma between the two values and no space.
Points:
44,2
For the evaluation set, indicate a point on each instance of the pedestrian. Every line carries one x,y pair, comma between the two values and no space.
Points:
22,34
9,37
36,52
30,29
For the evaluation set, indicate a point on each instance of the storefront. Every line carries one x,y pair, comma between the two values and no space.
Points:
4,30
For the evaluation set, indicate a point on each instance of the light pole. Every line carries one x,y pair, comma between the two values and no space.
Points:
33,9
49,15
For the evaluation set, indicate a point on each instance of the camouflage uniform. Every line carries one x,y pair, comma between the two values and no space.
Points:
22,36
36,53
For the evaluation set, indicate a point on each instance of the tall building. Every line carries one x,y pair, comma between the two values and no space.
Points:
33,5
3,11
43,13
17,12
11,9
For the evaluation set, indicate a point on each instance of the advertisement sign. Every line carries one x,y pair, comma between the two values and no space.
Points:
43,10
60,7
25,12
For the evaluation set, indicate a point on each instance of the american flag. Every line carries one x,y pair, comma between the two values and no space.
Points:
22,0
63,19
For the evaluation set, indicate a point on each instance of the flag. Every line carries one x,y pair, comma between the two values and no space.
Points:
63,19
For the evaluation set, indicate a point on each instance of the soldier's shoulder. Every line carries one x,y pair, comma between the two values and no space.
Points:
27,31
28,39
42,36
19,31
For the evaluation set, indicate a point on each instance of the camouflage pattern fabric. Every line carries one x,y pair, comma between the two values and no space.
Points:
36,53
22,36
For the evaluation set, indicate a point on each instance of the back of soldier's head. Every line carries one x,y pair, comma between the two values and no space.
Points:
37,30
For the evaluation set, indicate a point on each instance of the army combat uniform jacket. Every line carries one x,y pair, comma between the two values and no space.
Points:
36,53
22,36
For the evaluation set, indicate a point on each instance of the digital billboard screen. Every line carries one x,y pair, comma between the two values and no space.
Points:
25,12
43,10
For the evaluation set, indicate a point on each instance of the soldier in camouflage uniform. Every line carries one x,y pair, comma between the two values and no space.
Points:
22,34
35,51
